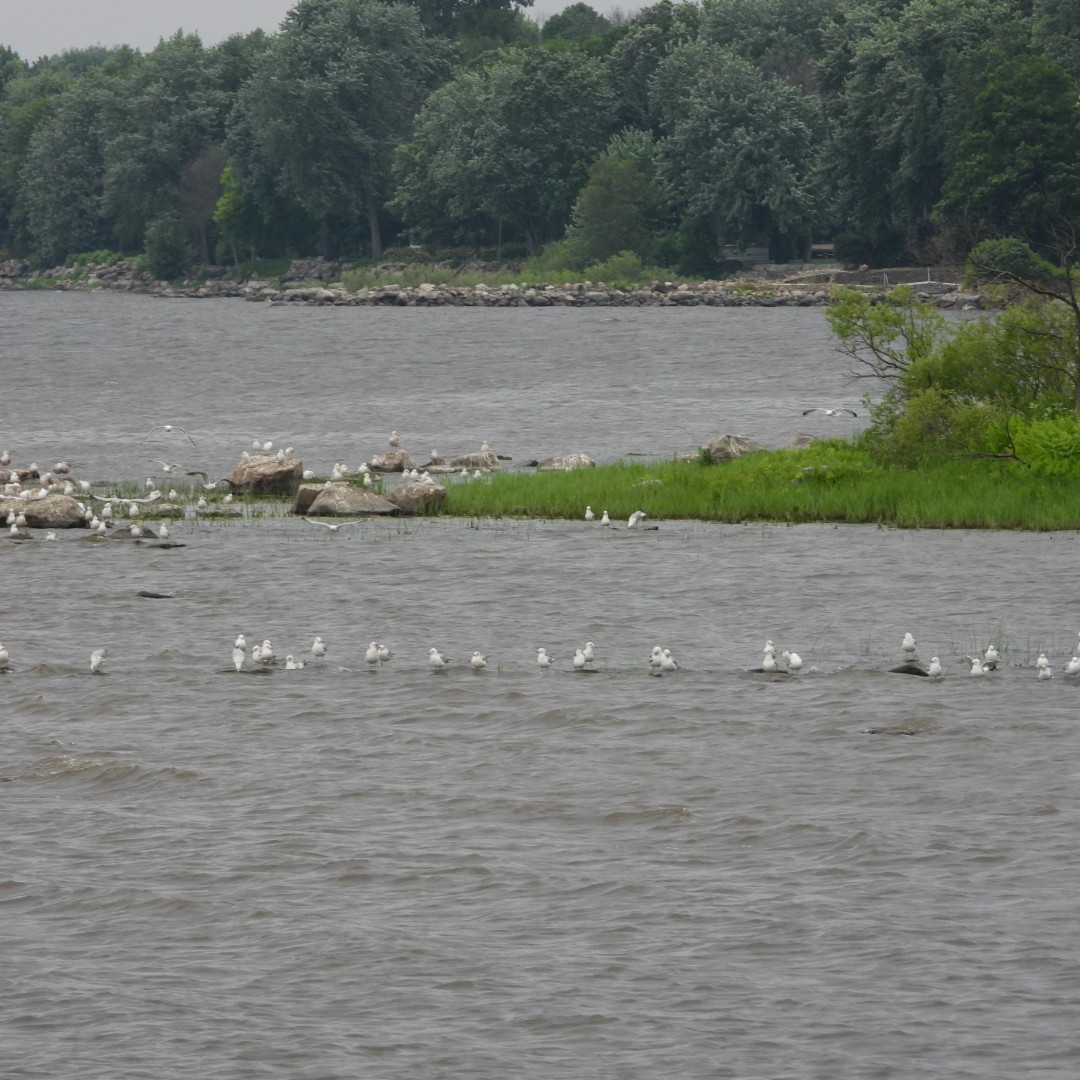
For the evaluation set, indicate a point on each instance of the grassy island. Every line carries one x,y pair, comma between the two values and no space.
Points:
830,481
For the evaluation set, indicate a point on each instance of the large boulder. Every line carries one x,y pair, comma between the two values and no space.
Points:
392,461
341,500
730,447
482,459
266,474
53,512
565,464
412,498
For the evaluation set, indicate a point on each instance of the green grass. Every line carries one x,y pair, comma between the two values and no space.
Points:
830,482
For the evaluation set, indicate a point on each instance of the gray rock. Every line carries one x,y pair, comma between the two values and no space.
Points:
482,459
264,474
344,500
53,512
730,447
800,441
412,498
393,461
568,462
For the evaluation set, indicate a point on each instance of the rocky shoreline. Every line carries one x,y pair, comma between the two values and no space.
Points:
313,283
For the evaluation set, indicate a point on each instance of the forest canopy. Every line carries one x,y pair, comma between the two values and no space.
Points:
902,130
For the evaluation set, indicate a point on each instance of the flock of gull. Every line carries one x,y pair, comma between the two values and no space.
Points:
261,658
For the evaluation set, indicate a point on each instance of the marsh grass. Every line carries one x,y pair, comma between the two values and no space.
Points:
827,482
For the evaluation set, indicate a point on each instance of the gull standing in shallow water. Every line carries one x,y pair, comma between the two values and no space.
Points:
579,660
935,670
437,661
977,665
542,659
910,649
605,520
478,662
635,519
792,659
589,515
1072,667
318,648
97,658
238,655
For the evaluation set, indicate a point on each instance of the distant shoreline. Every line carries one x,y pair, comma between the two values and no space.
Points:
806,289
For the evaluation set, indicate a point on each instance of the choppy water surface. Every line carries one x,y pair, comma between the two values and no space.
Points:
335,873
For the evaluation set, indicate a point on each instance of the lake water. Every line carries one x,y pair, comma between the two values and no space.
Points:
337,873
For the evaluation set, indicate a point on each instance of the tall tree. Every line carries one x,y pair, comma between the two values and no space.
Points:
735,150
511,141
328,101
1016,170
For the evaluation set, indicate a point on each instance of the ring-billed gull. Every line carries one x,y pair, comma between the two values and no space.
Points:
605,520
1072,666
333,526
977,665
635,519
97,658
1046,672
830,412
589,515
935,670
769,664
168,428
909,648
542,659
655,658
5,659
238,655
579,660
477,662
372,656
436,660
318,648
991,656
589,652
292,664
792,659
667,661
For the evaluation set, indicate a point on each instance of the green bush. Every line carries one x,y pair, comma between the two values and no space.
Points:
169,251
1051,446
95,258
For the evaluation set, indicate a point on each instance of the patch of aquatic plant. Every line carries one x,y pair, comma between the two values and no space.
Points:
829,481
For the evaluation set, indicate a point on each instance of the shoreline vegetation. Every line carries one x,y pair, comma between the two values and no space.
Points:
828,482
328,284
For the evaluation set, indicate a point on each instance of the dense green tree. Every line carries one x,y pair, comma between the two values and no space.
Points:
578,22
886,82
1016,168
173,111
781,38
327,102
735,150
655,32
619,208
510,141
58,209
469,18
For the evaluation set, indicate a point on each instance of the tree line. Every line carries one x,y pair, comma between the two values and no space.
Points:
903,130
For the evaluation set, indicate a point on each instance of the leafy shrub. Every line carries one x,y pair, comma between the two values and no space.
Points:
168,248
1051,446
103,257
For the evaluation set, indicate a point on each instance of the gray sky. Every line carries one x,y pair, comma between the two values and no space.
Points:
36,28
